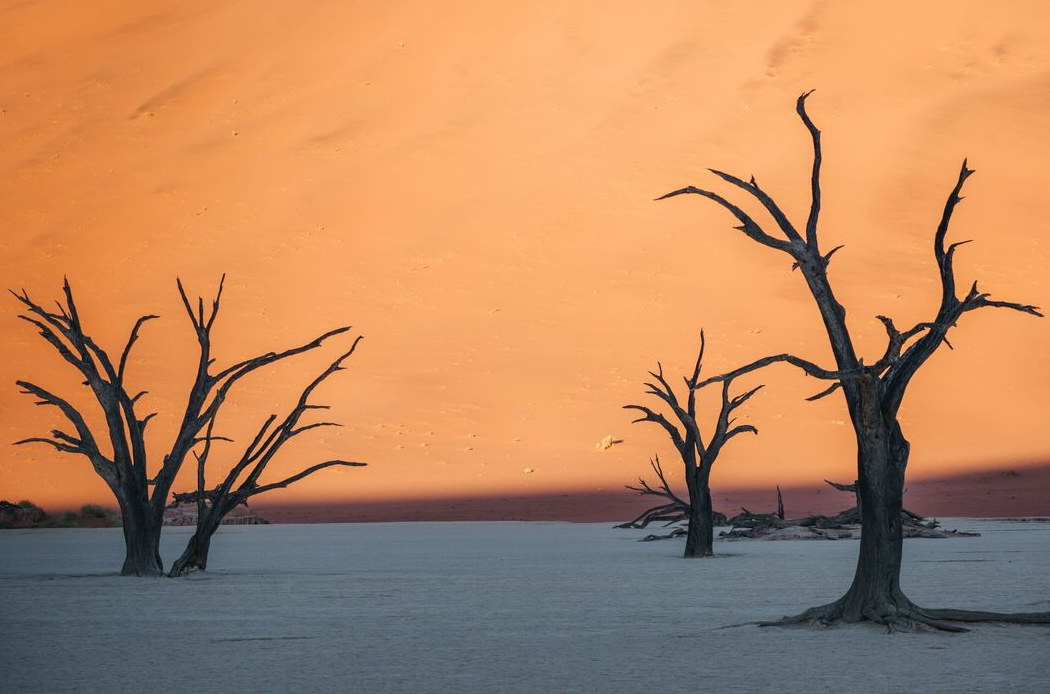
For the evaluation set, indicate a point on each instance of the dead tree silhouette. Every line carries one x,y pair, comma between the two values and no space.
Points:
123,465
698,456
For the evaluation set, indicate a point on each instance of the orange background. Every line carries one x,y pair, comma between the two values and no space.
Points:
470,186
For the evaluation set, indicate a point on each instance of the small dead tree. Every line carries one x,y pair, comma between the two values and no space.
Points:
214,504
852,489
698,457
124,465
873,392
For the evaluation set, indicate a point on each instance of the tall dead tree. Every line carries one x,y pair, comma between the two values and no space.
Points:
698,456
873,394
123,464
214,504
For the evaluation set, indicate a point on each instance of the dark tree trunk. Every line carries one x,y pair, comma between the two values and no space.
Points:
699,539
882,457
875,592
195,556
141,540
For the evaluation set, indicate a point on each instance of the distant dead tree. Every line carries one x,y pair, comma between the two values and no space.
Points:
697,456
853,489
123,464
873,393
214,504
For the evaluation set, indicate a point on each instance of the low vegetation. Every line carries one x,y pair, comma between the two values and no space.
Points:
26,514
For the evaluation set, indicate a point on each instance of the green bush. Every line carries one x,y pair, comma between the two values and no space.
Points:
28,505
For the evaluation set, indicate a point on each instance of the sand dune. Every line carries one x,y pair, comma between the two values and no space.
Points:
470,185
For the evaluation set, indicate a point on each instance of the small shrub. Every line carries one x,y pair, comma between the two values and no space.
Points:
66,520
93,511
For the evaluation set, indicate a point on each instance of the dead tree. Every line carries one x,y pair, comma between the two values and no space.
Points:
851,488
123,464
873,393
214,504
697,456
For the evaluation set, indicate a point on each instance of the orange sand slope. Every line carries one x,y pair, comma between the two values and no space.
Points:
471,184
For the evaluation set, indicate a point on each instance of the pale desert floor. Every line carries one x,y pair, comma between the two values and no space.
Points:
503,607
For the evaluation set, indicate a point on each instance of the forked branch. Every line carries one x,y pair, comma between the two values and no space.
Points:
747,225
903,367
672,510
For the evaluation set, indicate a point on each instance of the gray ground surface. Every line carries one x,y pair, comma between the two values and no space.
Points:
504,607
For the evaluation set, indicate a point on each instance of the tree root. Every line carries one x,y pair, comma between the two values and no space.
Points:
974,616
823,615
906,616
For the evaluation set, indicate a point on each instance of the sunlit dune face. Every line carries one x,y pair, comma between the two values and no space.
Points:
471,187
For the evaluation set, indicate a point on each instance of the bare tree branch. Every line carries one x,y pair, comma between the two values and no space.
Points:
771,206
814,207
982,301
808,367
650,416
826,392
127,348
747,224
899,374
305,473
673,510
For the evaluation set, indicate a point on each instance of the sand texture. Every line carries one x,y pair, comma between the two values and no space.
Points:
470,185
